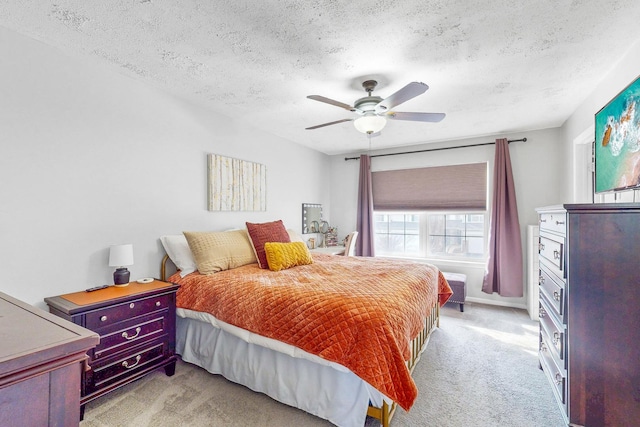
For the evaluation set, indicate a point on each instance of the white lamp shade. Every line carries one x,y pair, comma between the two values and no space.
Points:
370,123
120,255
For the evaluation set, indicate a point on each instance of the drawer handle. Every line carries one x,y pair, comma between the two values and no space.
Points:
103,318
132,305
556,254
543,348
126,364
556,295
559,222
158,303
556,338
543,220
542,312
541,279
558,378
126,336
541,247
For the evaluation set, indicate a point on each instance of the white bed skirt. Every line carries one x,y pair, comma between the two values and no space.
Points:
283,372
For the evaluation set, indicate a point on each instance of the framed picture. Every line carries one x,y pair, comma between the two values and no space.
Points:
236,185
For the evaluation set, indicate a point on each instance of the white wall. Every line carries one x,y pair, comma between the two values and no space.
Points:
621,74
91,158
537,167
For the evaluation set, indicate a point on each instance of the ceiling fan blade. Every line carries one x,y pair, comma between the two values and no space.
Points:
331,101
328,124
416,117
411,90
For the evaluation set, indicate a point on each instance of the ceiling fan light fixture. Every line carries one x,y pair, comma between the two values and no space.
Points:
370,123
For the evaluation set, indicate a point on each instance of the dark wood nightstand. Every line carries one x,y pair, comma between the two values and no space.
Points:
137,328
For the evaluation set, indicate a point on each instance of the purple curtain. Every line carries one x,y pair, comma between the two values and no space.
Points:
504,273
364,225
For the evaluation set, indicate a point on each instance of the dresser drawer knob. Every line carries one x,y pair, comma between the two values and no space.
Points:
103,318
543,347
158,303
126,336
541,247
556,338
556,295
132,305
556,254
541,279
558,378
542,312
126,364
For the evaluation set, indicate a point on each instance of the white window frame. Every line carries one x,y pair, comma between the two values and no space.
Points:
424,236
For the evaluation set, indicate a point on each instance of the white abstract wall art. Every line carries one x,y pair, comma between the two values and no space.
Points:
236,185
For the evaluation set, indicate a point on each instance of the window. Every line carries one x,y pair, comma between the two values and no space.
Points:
434,235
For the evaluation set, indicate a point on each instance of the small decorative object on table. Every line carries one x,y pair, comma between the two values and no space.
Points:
331,236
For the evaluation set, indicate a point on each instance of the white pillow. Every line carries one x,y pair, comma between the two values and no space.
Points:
294,236
178,250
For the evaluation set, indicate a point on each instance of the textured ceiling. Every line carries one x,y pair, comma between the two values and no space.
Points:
493,66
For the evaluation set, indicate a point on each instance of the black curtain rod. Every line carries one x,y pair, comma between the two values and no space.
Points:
437,149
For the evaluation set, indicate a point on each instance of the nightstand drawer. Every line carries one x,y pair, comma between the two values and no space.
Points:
119,368
116,313
130,334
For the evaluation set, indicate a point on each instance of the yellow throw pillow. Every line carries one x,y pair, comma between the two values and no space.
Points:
221,250
281,256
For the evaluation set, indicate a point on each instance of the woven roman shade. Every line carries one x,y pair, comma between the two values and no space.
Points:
450,188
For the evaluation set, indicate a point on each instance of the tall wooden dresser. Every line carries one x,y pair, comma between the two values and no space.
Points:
590,311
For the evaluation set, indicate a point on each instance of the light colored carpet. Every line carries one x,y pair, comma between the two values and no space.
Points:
480,369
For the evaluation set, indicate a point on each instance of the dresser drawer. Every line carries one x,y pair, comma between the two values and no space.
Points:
557,377
116,313
552,254
553,291
115,369
555,222
553,332
130,334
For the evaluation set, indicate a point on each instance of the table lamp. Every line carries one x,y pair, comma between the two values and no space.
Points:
119,257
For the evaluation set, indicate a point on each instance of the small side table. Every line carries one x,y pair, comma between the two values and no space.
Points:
137,328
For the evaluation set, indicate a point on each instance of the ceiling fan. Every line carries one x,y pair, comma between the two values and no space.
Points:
373,110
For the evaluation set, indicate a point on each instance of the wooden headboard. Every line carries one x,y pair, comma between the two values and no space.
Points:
167,268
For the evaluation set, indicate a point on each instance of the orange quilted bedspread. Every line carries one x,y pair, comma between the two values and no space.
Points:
359,312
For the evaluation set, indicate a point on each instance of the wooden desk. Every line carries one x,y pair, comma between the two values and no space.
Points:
42,358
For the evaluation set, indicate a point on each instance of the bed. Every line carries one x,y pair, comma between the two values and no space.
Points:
335,336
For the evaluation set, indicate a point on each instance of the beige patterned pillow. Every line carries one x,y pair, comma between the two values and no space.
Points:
220,250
